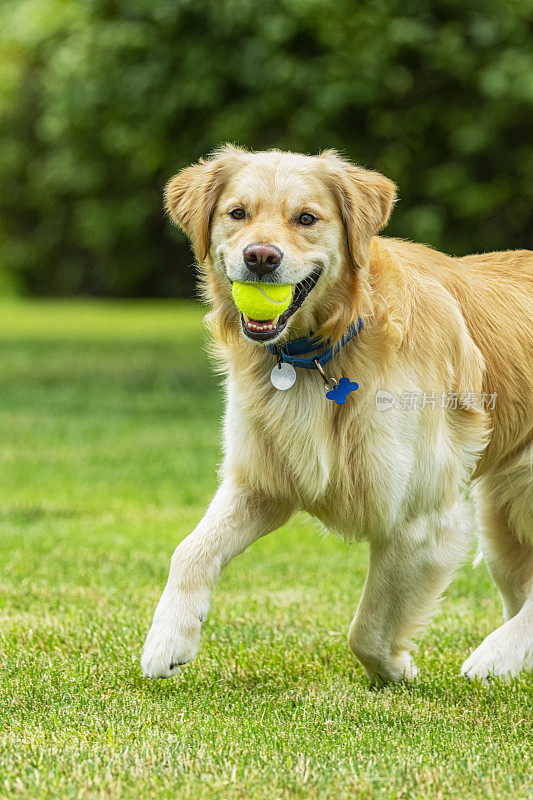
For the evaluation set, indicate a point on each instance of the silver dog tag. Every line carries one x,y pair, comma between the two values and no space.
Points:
283,376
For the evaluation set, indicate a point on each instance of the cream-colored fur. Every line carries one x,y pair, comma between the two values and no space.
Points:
396,478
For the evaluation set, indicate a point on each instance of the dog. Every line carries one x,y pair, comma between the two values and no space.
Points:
398,320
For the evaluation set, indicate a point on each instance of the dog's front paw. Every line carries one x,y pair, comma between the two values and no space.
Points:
504,653
172,641
383,668
167,647
392,669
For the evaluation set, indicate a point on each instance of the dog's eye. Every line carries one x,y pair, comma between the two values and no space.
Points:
306,219
237,213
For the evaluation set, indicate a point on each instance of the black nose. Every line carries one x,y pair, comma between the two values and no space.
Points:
262,258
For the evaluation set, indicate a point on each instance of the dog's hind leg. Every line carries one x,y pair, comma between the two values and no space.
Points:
509,558
236,518
506,535
405,578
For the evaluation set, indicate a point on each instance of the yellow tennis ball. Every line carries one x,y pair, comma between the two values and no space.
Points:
261,301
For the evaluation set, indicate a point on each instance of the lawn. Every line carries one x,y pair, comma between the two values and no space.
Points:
109,420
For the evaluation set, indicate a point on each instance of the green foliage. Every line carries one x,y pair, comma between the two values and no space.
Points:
102,100
110,424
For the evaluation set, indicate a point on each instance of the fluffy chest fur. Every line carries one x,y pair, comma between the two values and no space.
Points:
360,470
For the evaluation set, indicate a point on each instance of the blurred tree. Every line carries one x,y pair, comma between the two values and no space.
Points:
101,101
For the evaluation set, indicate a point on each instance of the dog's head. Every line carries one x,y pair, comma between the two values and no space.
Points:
282,218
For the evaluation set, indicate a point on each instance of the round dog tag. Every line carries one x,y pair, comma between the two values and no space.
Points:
283,376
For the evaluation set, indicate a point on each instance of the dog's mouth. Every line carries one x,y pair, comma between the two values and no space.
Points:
267,329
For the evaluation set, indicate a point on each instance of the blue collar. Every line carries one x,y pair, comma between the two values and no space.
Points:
292,352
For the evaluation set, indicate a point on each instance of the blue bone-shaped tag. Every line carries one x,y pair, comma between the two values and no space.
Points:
342,390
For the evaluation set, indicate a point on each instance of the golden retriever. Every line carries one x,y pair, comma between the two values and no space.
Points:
444,363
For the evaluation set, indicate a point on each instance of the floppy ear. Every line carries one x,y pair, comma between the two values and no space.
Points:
365,201
192,194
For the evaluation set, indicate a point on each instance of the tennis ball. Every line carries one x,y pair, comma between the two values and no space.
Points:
261,301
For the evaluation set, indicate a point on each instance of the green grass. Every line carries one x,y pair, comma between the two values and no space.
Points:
109,420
